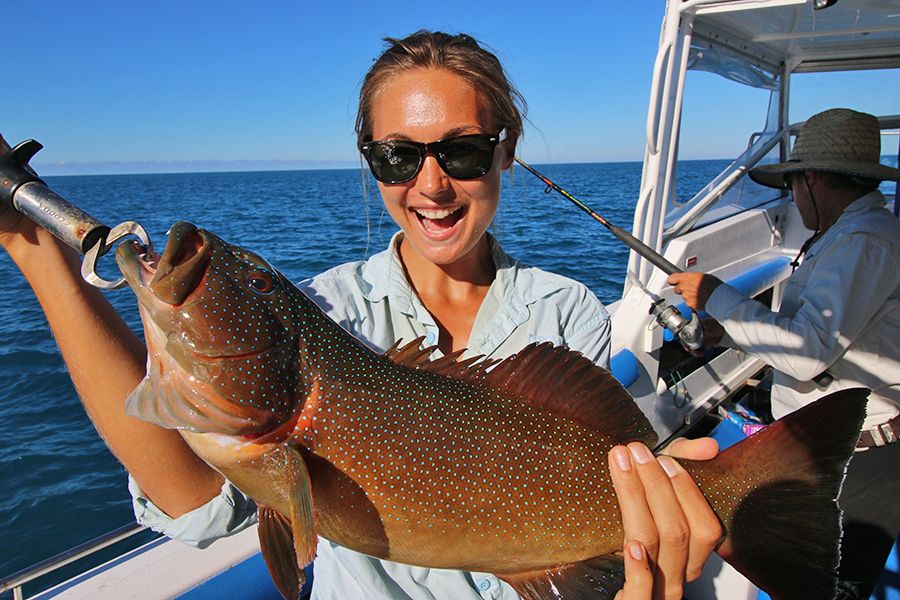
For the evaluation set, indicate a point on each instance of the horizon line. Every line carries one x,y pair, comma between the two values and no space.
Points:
162,167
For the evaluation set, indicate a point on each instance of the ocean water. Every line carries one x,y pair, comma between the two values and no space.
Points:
62,487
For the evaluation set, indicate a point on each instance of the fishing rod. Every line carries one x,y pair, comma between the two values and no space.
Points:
22,190
688,331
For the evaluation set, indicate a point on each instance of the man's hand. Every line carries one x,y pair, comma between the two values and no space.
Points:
665,513
694,287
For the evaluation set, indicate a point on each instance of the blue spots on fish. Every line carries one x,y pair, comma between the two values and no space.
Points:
449,452
430,452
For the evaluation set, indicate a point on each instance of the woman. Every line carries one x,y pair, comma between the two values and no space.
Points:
438,122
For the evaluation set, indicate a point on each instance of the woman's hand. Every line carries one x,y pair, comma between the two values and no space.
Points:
12,223
665,512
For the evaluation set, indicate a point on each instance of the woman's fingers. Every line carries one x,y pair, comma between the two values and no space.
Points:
651,514
706,530
672,526
703,524
637,521
664,509
698,449
638,576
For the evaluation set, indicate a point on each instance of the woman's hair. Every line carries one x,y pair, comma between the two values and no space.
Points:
459,54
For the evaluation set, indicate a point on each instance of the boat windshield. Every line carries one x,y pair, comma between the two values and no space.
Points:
724,190
727,191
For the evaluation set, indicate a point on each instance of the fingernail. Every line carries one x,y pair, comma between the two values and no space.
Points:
641,453
622,459
636,550
668,466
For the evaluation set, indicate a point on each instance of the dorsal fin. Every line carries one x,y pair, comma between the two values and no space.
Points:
565,382
412,355
548,377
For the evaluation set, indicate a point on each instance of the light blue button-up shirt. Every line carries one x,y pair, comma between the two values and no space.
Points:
374,301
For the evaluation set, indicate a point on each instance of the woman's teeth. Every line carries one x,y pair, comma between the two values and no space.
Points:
439,220
434,215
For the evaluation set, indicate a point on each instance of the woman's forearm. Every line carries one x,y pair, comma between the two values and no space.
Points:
106,361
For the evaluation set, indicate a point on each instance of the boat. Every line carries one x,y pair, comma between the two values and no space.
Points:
743,233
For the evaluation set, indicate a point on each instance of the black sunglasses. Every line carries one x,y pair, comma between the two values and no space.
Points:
461,157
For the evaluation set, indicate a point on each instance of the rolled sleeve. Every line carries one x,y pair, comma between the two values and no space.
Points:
226,514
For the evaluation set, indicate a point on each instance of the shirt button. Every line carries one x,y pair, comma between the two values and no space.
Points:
484,585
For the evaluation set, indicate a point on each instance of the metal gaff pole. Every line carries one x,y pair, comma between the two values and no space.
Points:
24,191
688,331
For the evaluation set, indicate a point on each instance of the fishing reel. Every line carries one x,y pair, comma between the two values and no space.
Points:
689,332
24,191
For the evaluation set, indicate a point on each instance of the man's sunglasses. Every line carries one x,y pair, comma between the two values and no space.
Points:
461,157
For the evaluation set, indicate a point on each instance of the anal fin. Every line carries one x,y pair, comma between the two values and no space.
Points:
598,578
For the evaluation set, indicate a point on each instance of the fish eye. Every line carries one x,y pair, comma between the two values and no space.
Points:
261,281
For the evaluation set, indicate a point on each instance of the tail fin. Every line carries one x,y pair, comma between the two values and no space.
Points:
776,492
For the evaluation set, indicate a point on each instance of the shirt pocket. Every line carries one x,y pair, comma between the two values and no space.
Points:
556,340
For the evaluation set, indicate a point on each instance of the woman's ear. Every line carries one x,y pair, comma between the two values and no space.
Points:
509,151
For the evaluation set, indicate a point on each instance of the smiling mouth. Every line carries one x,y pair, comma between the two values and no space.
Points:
439,220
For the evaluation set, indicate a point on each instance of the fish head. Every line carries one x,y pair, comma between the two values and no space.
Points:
223,351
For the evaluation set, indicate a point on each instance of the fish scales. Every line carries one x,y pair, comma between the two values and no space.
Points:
490,468
494,466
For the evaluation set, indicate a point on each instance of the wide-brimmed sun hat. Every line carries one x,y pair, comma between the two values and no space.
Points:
838,140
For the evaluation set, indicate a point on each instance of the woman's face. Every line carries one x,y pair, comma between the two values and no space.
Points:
444,219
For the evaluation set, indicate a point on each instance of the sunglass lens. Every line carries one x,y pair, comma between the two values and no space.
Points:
394,162
467,157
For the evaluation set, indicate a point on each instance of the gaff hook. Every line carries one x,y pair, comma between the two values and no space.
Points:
23,190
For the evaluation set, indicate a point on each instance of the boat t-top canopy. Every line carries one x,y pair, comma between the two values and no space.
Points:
760,43
802,36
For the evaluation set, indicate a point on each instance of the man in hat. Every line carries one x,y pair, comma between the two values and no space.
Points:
838,325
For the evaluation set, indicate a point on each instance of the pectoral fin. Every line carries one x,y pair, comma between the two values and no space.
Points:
289,543
302,522
277,544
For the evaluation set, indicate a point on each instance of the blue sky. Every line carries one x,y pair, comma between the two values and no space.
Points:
201,85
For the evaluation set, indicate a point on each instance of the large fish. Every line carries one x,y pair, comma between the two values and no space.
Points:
494,466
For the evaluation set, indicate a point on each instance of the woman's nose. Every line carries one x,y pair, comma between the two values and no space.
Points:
431,178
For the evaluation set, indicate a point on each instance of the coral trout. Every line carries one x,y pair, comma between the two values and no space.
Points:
490,466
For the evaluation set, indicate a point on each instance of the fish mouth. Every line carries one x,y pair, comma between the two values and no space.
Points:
175,275
183,264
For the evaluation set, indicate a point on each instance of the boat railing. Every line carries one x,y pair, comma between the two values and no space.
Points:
17,580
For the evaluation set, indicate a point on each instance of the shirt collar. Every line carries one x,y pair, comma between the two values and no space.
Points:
517,287
874,199
385,277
